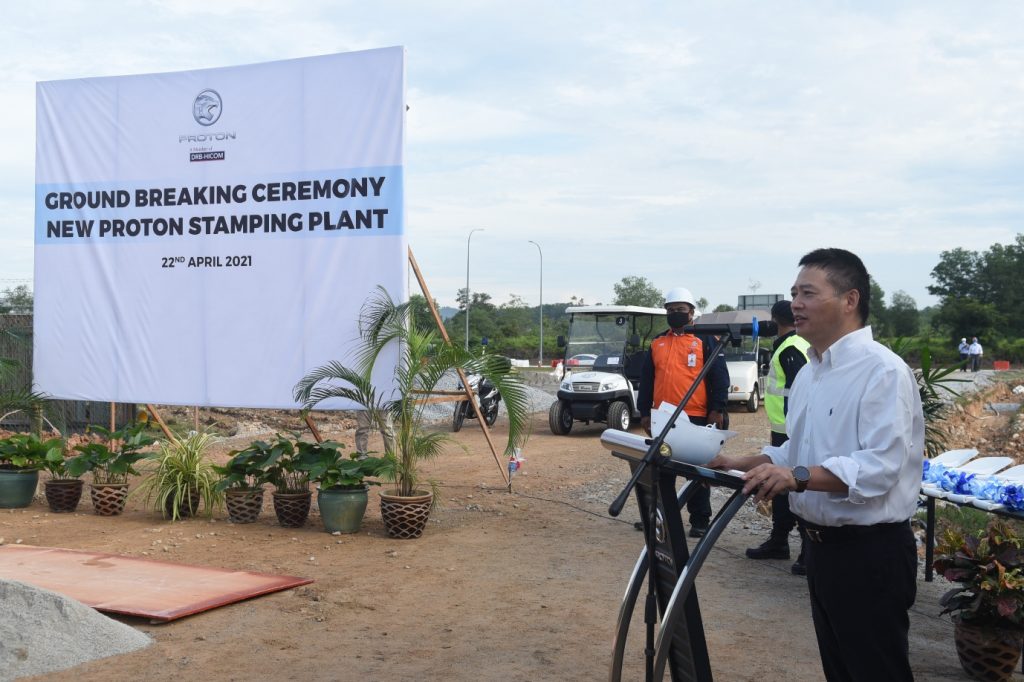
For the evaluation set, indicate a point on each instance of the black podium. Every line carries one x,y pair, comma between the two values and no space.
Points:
679,639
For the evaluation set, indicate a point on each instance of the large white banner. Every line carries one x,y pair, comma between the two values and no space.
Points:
208,237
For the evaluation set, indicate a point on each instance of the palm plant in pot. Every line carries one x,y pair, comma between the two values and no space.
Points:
341,483
988,605
421,361
21,458
112,462
182,479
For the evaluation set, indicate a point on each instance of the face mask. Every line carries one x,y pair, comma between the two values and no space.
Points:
678,320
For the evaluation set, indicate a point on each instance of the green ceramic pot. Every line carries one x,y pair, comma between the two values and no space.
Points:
342,510
17,486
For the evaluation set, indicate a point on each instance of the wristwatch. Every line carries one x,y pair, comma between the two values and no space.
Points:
803,477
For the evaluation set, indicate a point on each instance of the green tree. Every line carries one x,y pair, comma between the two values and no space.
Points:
723,308
967,318
634,290
421,312
702,304
904,320
16,300
877,316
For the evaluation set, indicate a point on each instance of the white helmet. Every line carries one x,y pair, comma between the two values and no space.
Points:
689,443
680,295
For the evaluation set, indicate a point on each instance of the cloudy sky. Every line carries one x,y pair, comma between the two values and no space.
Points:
707,145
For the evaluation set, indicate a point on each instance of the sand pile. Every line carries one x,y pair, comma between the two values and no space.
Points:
42,631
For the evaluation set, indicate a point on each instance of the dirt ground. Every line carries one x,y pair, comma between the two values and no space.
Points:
502,586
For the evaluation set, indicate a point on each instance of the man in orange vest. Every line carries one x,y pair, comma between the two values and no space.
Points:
669,370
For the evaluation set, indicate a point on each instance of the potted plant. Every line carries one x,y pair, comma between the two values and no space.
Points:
241,482
63,490
422,360
280,464
182,479
988,605
112,463
21,458
341,483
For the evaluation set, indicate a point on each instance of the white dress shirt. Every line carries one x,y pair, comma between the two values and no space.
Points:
856,411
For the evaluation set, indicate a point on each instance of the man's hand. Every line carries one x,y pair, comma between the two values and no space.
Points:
716,418
645,422
768,480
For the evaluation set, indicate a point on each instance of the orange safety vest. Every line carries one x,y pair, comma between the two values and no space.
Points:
672,374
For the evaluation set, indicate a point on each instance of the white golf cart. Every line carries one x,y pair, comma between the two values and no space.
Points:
749,362
620,337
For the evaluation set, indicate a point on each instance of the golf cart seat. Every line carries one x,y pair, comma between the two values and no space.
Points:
634,365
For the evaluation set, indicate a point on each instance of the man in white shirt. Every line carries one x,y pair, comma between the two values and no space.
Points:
975,351
856,445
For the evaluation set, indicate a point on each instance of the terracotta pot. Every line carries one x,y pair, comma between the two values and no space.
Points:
63,494
244,504
292,509
108,498
987,653
405,517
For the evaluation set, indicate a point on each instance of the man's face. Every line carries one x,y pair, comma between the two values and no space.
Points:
817,308
674,310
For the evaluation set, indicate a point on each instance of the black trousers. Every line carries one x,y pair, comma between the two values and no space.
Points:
783,520
699,506
861,589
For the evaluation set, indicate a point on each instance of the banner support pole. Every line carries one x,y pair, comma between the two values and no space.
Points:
465,384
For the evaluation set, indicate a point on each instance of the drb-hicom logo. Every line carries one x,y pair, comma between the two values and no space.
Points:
207,107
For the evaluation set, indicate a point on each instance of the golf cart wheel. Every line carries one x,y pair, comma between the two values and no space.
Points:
560,418
460,415
753,401
618,416
492,414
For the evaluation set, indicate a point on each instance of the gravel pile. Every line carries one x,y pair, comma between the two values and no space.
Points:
42,631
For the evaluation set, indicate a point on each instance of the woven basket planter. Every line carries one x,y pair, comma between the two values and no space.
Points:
188,507
63,494
244,504
292,509
108,498
987,653
405,517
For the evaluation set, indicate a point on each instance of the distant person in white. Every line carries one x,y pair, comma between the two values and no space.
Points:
856,445
965,351
975,351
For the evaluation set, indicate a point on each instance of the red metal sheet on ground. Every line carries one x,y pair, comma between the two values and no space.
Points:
136,587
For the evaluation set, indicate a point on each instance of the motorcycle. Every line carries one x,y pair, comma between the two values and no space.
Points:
488,397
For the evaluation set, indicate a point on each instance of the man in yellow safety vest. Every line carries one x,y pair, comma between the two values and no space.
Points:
789,354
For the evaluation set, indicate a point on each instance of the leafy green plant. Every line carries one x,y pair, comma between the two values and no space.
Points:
326,465
245,470
183,476
934,385
276,462
990,569
112,461
423,360
27,451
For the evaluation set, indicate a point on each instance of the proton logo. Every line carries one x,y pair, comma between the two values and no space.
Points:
659,527
207,107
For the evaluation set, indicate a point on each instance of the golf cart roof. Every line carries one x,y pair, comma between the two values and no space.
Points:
735,316
614,310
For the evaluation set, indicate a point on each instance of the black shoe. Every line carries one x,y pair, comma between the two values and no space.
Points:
798,568
697,531
769,549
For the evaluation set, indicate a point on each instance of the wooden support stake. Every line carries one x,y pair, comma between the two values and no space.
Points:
462,376
163,426
312,427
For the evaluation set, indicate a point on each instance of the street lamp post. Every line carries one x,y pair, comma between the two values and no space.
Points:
541,252
468,297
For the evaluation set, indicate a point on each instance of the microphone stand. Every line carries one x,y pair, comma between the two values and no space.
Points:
650,606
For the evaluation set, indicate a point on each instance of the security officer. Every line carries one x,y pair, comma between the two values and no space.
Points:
788,356
669,370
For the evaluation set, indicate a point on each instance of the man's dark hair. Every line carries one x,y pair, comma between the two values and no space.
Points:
844,271
782,312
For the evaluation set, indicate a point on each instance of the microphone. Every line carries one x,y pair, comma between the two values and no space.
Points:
737,329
